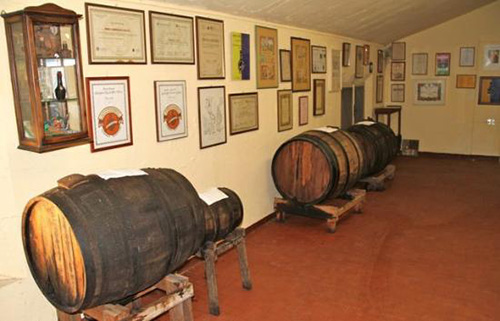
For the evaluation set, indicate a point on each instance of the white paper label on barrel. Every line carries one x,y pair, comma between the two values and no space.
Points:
327,129
212,195
365,122
117,173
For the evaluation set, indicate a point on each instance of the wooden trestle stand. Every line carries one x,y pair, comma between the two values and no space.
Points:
377,181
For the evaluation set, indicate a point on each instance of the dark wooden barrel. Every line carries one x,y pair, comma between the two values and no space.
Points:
92,241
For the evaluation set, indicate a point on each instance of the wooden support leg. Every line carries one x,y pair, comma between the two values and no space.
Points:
213,296
62,316
358,209
242,257
183,311
280,216
331,225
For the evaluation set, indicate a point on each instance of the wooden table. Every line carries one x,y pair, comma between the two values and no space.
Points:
389,110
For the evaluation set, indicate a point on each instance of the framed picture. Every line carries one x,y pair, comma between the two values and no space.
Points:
210,48
489,90
398,93
285,66
212,115
267,57
336,74
467,56
466,81
303,110
429,92
398,70
366,54
108,104
398,51
318,59
172,38
171,110
240,62
319,97
379,97
243,113
491,57
380,61
346,54
419,63
285,111
360,68
443,63
301,64
108,44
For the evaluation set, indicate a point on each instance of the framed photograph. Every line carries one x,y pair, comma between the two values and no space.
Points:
318,59
210,48
489,90
172,38
467,56
491,57
319,97
301,64
380,61
285,66
109,44
360,68
336,74
346,54
379,97
171,110
419,63
285,111
466,81
303,110
243,113
429,92
108,103
398,51
267,57
212,116
240,62
398,70
398,93
366,54
443,63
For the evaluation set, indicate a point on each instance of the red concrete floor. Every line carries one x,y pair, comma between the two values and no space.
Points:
426,249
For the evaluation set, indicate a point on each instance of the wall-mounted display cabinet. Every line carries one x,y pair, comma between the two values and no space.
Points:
47,79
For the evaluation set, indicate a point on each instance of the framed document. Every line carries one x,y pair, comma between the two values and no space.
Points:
419,64
379,97
212,115
243,113
285,66
491,57
489,90
210,48
319,97
285,111
301,64
366,54
398,71
171,110
109,111
115,35
172,38
398,51
467,56
240,62
267,57
380,61
443,64
429,92
318,59
346,54
466,81
398,93
360,68
336,81
303,110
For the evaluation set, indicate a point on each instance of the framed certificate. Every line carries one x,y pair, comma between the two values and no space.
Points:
398,71
346,54
109,111
466,81
285,67
212,115
301,64
419,64
303,110
398,93
285,111
336,74
210,48
115,35
319,97
171,110
172,39
243,113
380,61
429,92
266,44
359,67
379,97
467,56
318,59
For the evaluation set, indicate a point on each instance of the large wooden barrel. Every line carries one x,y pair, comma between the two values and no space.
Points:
95,241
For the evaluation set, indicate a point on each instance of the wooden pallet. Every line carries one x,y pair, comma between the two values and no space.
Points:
176,300
331,210
378,181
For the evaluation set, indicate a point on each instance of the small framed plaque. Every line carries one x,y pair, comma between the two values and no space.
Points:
398,93
243,113
398,70
285,66
467,56
303,110
466,81
319,97
285,111
318,59
210,48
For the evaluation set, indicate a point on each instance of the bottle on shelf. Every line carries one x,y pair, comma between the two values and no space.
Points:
60,91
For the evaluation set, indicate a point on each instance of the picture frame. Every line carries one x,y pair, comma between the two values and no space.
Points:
359,67
380,61
285,66
379,90
398,71
243,112
319,95
212,116
318,59
171,38
467,56
336,82
489,90
266,46
210,48
419,63
398,93
443,61
128,45
429,92
398,52
108,104
491,57
285,110
366,54
301,64
346,54
171,109
240,58
466,81
303,110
